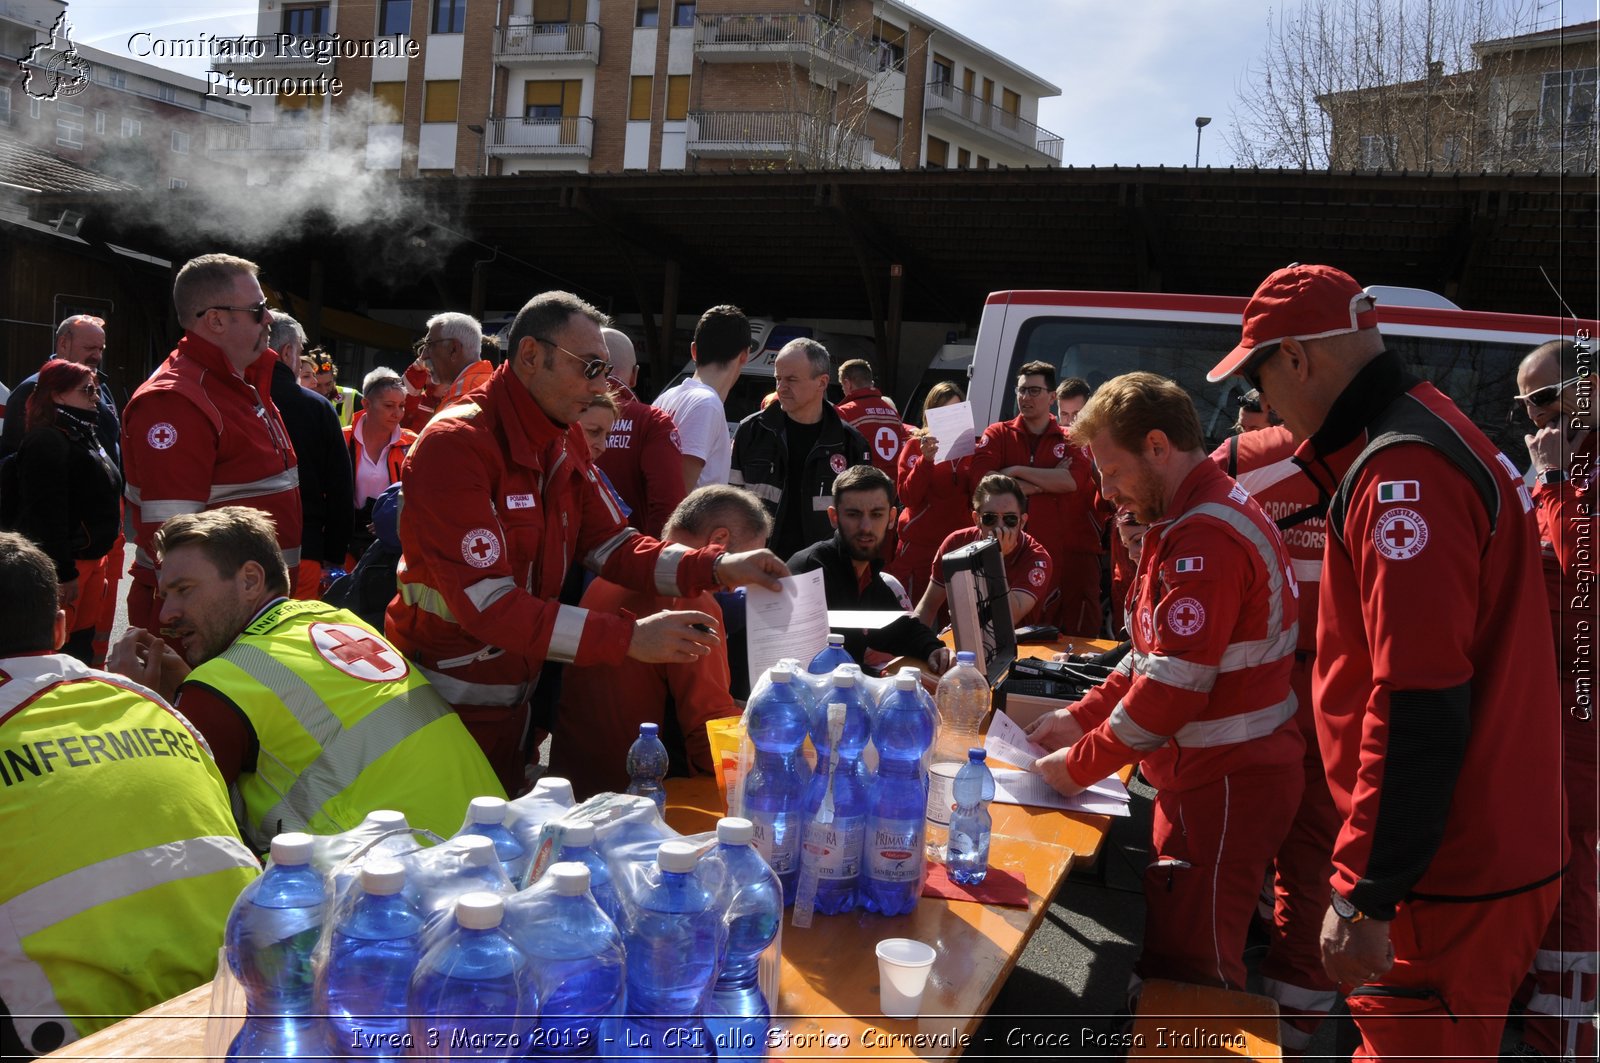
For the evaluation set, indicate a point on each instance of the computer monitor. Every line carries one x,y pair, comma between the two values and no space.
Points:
980,606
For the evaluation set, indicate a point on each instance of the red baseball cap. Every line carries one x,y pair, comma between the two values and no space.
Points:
1300,303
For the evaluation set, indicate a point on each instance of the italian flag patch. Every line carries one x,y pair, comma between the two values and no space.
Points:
1398,491
1189,564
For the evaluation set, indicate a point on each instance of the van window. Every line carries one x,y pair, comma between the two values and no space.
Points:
1479,377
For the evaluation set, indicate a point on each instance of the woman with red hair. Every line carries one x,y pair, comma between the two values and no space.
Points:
64,492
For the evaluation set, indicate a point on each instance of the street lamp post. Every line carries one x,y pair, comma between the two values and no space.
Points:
1199,124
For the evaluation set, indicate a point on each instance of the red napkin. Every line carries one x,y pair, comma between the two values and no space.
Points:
999,887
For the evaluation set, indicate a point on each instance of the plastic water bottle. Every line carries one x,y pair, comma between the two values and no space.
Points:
647,766
830,657
930,709
577,847
271,934
486,817
673,942
898,804
739,1014
577,961
373,950
836,797
963,702
969,823
471,995
776,723
555,788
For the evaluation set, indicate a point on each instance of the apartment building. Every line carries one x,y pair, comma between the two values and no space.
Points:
432,87
1528,103
128,119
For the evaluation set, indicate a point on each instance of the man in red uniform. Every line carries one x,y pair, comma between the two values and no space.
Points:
1202,703
642,457
999,511
1084,516
1557,385
1261,459
866,410
603,705
1033,450
453,352
203,432
1433,682
504,500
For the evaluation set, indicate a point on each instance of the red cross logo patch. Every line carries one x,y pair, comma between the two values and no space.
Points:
1060,451
1186,616
358,653
837,464
1400,534
886,443
1147,626
161,436
1036,576
480,547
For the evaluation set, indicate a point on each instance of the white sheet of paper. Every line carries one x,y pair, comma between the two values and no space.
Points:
840,619
952,426
1017,787
792,622
1008,742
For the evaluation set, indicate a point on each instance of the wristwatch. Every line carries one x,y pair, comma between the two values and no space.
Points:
1345,910
1551,477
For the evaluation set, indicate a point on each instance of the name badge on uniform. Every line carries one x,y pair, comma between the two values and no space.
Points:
519,501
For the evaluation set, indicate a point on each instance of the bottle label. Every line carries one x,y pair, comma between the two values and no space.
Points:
782,859
894,853
835,848
962,844
941,786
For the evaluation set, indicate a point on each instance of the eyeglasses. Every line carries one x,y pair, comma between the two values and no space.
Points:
1546,396
258,309
420,348
1251,370
1031,391
989,520
592,367
88,389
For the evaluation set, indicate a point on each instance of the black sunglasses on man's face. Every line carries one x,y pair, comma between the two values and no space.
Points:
258,309
989,520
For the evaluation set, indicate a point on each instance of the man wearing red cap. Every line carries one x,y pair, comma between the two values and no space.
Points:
1434,682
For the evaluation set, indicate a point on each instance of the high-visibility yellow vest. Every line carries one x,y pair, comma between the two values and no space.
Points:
345,725
344,404
118,856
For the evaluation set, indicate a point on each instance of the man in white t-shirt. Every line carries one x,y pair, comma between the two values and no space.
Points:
720,349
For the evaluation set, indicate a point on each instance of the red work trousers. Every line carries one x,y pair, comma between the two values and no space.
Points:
1209,848
83,612
1077,605
1455,968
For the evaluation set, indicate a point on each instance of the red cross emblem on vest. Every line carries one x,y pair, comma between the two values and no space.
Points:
1400,534
358,653
1186,616
480,547
886,443
161,436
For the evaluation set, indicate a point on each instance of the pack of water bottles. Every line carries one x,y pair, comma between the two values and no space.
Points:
539,931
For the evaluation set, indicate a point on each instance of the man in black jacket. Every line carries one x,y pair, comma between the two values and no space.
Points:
788,454
327,484
852,570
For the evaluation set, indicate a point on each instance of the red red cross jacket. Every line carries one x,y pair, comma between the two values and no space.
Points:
198,436
1007,443
499,502
1435,679
1205,692
644,460
868,412
394,453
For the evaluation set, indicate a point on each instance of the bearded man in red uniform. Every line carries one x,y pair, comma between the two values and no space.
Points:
1203,702
1434,681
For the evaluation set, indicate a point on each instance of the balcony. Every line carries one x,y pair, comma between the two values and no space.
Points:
547,42
550,138
802,139
825,47
953,109
287,136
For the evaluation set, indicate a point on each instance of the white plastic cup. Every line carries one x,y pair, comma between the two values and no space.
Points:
903,966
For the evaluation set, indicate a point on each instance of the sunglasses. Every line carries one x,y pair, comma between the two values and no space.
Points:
88,389
989,520
259,310
1546,396
592,367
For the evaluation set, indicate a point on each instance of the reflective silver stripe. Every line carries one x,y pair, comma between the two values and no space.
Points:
291,556
601,554
765,492
567,633
1306,571
667,563
736,478
1298,997
1253,653
1231,730
427,599
1125,666
163,511
348,754
1131,734
142,558
1256,538
605,496
1176,672
821,503
23,984
461,692
268,485
486,592
1258,480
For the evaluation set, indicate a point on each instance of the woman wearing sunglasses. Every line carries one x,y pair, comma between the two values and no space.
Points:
63,491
